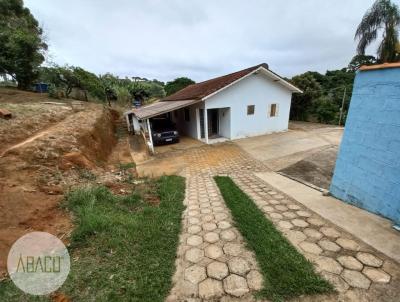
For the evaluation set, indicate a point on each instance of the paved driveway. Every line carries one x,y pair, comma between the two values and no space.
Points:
306,152
214,263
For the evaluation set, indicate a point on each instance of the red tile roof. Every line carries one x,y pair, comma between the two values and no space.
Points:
380,66
203,89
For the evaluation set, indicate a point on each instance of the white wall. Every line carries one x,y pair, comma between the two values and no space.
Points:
258,90
225,122
187,128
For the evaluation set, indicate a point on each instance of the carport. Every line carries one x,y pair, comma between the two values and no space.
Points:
138,119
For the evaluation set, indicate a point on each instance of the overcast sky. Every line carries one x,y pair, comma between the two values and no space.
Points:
199,39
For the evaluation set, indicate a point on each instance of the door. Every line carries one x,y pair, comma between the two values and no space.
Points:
213,122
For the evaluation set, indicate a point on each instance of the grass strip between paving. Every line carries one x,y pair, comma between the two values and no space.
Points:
286,272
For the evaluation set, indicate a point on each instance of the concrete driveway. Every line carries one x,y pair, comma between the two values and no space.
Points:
307,151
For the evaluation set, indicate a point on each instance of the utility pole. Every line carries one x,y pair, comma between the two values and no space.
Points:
341,108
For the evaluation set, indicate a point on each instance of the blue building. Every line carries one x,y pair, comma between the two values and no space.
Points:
367,172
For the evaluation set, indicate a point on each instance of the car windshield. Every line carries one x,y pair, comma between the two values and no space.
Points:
162,124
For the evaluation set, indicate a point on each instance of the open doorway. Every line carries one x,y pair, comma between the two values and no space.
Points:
213,123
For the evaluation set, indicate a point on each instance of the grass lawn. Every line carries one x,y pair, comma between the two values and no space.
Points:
122,248
286,272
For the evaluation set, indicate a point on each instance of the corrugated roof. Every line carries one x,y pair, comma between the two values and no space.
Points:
159,108
380,66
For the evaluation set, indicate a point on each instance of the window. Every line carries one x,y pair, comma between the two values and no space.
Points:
250,109
273,110
176,113
187,115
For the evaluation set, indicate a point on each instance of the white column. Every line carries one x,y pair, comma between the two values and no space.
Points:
127,121
198,123
206,124
150,136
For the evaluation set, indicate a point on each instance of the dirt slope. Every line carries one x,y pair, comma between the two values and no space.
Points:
34,175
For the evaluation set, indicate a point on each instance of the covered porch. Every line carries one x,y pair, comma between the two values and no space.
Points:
192,119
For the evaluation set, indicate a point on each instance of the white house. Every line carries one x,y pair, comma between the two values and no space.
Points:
245,103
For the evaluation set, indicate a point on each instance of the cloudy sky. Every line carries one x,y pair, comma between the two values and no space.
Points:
199,38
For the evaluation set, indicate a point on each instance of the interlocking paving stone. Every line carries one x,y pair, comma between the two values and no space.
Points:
316,222
194,255
209,226
224,225
211,237
210,288
310,247
350,262
194,240
348,244
276,216
285,225
194,229
235,285
304,214
312,233
340,285
232,249
217,270
300,223
238,266
255,280
328,264
355,279
295,237
329,232
213,251
293,207
289,215
369,259
376,275
228,235
328,245
195,274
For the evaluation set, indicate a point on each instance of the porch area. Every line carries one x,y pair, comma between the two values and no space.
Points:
191,118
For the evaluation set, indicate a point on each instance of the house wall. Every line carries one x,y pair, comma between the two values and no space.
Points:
258,90
367,172
225,122
189,128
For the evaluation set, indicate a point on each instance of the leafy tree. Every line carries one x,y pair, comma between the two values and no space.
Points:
177,84
383,16
325,110
301,102
22,46
359,60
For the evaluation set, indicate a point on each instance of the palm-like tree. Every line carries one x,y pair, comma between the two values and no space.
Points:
383,17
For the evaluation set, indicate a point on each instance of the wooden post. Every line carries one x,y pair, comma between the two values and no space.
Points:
150,136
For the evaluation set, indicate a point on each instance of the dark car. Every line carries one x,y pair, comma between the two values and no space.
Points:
164,131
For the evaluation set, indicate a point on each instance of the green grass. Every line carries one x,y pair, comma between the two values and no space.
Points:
122,248
286,272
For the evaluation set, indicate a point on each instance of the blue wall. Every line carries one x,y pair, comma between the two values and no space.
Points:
367,172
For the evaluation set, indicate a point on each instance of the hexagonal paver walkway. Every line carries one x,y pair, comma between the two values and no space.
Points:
212,259
213,263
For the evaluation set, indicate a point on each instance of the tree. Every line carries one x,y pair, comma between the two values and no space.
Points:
325,110
359,60
22,47
177,84
383,17
301,102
